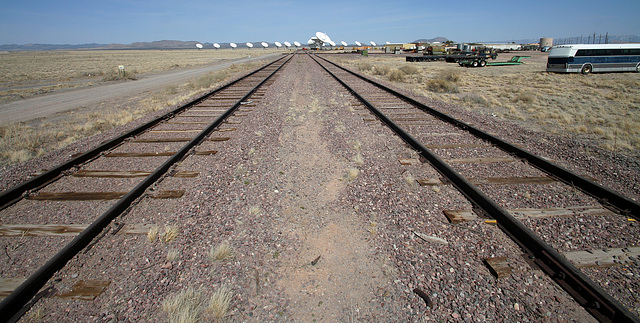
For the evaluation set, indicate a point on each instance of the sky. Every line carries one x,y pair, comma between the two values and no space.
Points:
128,21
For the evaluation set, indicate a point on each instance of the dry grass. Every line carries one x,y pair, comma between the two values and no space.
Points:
152,235
22,141
183,307
171,232
352,173
601,107
45,71
358,159
221,252
410,180
219,302
172,254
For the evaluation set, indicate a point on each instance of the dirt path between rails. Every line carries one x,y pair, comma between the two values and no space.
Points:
47,105
333,274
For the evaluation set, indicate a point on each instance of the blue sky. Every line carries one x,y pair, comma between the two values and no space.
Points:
118,21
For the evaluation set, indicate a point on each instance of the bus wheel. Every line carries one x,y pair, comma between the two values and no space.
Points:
587,69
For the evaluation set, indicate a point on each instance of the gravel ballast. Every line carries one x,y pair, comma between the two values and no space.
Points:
322,221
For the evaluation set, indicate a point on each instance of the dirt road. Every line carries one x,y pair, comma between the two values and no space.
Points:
43,106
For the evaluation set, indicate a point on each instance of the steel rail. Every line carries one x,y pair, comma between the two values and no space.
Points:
14,194
608,197
586,292
21,295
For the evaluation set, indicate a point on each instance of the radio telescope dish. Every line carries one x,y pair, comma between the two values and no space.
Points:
388,43
373,43
344,43
288,44
199,46
250,45
323,37
311,40
278,44
265,45
358,43
297,44
216,45
332,43
233,45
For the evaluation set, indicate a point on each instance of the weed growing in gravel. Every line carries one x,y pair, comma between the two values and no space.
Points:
223,251
254,210
357,145
170,233
358,159
152,235
173,254
410,180
373,228
183,307
35,314
352,173
219,302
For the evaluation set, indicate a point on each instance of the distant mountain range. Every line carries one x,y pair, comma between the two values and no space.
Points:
432,40
161,44
177,44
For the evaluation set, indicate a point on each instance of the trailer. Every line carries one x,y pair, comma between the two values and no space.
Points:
452,58
479,62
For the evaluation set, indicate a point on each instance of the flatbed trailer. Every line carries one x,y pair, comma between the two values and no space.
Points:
453,58
480,62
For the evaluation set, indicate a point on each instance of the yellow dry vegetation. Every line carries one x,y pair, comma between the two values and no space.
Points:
601,107
25,140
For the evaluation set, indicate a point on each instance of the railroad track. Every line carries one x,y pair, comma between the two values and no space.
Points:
83,212
476,162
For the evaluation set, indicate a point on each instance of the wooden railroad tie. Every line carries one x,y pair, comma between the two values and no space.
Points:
539,180
126,174
157,140
164,153
85,290
51,230
458,216
479,160
96,196
500,267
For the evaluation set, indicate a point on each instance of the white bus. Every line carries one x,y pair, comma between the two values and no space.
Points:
594,58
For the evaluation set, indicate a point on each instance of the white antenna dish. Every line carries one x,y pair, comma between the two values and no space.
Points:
288,44
278,44
332,43
323,37
233,45
199,46
297,44
216,45
358,43
311,40
373,43
265,45
344,43
250,45
388,43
